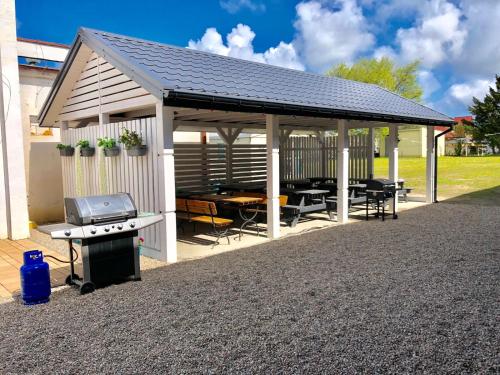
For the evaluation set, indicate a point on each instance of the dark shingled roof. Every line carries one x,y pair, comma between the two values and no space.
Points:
183,74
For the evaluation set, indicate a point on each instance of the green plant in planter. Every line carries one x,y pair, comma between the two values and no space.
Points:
109,146
65,150
106,142
85,149
132,142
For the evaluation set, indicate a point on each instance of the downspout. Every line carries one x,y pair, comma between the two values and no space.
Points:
436,138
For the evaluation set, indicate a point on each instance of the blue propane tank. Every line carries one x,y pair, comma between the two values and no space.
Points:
35,278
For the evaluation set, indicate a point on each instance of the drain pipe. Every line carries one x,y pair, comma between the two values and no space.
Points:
436,138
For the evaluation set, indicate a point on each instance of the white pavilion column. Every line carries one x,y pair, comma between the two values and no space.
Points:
430,173
15,199
393,159
342,172
370,157
166,173
273,176
103,118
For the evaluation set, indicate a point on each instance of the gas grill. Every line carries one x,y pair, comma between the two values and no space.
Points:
107,226
378,192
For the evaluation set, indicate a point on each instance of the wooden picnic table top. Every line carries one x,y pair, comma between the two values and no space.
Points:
241,201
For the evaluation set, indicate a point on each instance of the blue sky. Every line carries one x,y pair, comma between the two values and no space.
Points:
456,40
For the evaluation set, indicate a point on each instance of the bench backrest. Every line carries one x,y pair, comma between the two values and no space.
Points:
283,198
192,206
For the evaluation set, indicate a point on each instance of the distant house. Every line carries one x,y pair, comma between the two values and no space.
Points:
460,142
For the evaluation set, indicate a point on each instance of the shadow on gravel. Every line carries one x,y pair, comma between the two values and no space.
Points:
486,197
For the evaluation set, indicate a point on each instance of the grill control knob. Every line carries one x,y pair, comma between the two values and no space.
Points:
67,232
132,224
120,226
93,230
106,228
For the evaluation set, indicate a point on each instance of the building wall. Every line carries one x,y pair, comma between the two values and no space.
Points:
45,188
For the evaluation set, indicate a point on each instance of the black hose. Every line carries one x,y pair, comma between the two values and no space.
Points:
64,261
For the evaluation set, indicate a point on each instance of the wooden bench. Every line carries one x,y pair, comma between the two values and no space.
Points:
195,211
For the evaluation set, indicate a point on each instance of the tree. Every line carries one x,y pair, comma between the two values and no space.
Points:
487,117
383,72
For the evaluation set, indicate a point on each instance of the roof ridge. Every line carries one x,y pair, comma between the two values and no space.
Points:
196,51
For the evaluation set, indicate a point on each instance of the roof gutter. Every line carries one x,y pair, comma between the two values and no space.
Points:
192,100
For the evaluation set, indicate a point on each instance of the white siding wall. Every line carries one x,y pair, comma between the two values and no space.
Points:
134,175
99,84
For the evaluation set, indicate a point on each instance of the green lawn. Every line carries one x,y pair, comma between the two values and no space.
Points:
478,177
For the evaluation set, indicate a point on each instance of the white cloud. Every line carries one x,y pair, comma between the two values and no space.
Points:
385,51
234,6
481,52
464,92
240,45
428,82
328,35
284,55
437,35
211,41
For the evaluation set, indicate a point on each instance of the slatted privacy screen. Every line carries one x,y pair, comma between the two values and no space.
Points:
199,166
135,175
306,156
248,163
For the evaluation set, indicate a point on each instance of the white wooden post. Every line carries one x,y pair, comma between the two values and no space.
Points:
166,173
430,173
342,172
273,176
393,159
103,118
370,157
11,126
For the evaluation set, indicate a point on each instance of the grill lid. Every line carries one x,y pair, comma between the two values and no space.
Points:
99,209
379,184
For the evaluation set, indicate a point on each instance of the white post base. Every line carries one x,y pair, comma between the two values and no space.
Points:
273,216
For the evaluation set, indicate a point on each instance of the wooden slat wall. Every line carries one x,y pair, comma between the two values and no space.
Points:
99,76
199,166
302,157
248,163
134,175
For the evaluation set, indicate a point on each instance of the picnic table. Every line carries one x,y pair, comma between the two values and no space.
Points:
241,202
311,200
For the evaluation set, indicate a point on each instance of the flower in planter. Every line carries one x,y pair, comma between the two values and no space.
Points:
132,142
130,138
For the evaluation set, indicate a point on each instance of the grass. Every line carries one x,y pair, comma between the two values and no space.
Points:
477,177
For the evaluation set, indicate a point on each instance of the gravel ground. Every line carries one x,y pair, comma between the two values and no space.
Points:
418,294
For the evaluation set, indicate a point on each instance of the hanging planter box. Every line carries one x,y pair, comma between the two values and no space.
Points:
67,151
112,151
87,151
137,150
